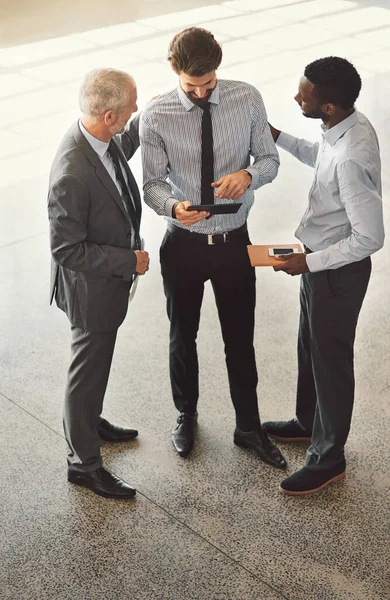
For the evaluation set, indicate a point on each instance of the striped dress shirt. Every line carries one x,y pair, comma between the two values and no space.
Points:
170,134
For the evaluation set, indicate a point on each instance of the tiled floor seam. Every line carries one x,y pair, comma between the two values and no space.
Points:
183,524
225,554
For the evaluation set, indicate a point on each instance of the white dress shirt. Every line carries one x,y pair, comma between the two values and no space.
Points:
171,144
343,222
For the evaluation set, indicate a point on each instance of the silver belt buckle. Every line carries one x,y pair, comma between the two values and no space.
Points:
225,235
210,239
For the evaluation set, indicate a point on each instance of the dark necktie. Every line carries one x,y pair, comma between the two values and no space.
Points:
207,192
126,195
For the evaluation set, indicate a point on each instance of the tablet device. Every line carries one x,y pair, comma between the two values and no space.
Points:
217,209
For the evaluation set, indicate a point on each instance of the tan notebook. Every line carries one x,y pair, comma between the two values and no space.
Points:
259,255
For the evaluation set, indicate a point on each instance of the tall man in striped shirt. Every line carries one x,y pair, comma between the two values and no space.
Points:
196,140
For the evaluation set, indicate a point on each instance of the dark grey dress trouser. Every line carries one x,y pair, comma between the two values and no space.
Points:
330,306
91,356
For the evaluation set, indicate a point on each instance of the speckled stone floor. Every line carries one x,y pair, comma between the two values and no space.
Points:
213,526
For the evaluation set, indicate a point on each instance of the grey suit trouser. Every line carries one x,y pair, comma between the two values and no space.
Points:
330,305
91,356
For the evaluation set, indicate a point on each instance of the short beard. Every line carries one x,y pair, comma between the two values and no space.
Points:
200,101
115,131
315,114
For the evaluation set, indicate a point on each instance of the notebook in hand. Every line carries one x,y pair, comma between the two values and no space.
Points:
261,256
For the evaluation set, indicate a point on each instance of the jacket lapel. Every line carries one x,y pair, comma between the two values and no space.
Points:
132,182
101,171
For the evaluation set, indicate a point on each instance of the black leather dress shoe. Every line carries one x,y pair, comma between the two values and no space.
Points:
184,433
262,445
114,433
287,431
308,480
103,483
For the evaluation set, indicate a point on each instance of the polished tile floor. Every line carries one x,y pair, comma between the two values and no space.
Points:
214,526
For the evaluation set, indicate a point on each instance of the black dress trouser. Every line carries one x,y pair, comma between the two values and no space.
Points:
330,306
186,264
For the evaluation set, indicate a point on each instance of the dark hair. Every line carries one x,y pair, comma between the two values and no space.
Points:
336,81
194,52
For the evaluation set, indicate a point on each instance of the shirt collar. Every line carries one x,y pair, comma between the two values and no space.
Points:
188,105
99,146
334,133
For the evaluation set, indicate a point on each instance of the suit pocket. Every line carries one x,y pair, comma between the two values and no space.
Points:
332,278
103,302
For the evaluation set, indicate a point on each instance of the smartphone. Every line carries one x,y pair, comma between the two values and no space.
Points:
278,251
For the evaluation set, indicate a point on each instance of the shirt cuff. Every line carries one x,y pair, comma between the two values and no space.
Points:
169,204
255,176
314,261
286,141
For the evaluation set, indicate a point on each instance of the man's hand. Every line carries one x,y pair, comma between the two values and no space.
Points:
232,186
186,217
275,132
293,264
142,262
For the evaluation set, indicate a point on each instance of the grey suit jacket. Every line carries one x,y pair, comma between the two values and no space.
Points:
90,233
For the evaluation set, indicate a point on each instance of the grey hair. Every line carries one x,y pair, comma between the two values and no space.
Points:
103,90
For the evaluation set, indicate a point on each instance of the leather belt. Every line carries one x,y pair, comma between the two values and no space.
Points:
307,250
207,238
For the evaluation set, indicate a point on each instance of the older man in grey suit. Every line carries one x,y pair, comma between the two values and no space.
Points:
94,213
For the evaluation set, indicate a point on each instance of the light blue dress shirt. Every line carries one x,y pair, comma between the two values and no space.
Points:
343,222
101,149
171,144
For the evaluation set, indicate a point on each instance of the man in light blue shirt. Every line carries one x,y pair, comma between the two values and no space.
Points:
341,228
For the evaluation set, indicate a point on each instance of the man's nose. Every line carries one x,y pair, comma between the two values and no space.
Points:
201,92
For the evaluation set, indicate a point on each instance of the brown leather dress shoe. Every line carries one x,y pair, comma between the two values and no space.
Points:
262,445
103,483
113,433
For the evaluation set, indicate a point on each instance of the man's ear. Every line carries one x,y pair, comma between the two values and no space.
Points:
328,109
110,118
